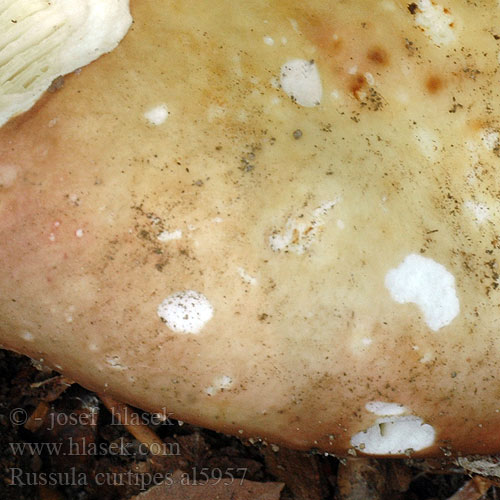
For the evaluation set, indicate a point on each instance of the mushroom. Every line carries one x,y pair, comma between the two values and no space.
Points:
277,220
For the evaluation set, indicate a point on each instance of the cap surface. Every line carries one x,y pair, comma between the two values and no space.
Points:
277,220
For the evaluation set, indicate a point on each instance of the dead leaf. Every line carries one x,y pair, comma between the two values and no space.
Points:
299,471
399,476
472,490
179,487
361,478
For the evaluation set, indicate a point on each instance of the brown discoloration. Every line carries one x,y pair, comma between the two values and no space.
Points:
434,84
323,34
477,124
357,82
378,56
342,46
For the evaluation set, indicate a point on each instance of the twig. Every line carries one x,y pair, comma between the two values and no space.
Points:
60,378
139,430
37,417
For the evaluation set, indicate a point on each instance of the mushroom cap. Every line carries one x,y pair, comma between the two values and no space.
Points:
277,220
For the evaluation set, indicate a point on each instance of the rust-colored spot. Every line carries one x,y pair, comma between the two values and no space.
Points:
434,84
378,56
322,33
356,84
477,124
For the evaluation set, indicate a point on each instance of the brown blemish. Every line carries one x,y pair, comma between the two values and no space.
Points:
321,33
434,84
356,84
476,124
378,56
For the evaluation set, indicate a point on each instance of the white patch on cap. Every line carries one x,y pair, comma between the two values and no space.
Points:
490,139
427,358
268,41
383,409
8,175
74,199
186,312
169,236
157,115
435,22
42,40
219,384
427,284
115,362
242,116
215,112
79,233
295,25
369,79
428,142
300,80
28,336
299,234
394,436
479,210
236,60
389,6
472,149
246,277
68,315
